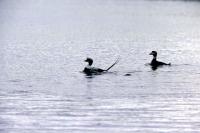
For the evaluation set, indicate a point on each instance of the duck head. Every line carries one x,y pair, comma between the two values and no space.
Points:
90,61
154,53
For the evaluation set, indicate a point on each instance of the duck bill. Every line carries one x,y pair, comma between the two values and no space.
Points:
151,53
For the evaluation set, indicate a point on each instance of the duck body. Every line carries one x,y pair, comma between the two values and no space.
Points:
89,70
154,63
92,70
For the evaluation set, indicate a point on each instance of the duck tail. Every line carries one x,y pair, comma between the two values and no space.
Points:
113,64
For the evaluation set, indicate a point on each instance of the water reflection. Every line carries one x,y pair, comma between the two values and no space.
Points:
89,87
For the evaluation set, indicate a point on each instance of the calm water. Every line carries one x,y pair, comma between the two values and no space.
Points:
43,45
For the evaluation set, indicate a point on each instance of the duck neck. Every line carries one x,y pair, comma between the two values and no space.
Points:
153,60
154,57
90,63
89,66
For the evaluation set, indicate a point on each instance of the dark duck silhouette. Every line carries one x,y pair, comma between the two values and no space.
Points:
89,70
154,63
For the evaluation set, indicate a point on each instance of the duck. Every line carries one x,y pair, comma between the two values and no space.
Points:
154,63
89,69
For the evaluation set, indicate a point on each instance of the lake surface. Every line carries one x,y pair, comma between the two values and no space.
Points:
43,47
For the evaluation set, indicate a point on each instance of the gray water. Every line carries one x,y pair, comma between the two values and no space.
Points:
43,45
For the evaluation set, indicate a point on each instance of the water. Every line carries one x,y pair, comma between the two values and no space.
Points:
43,45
